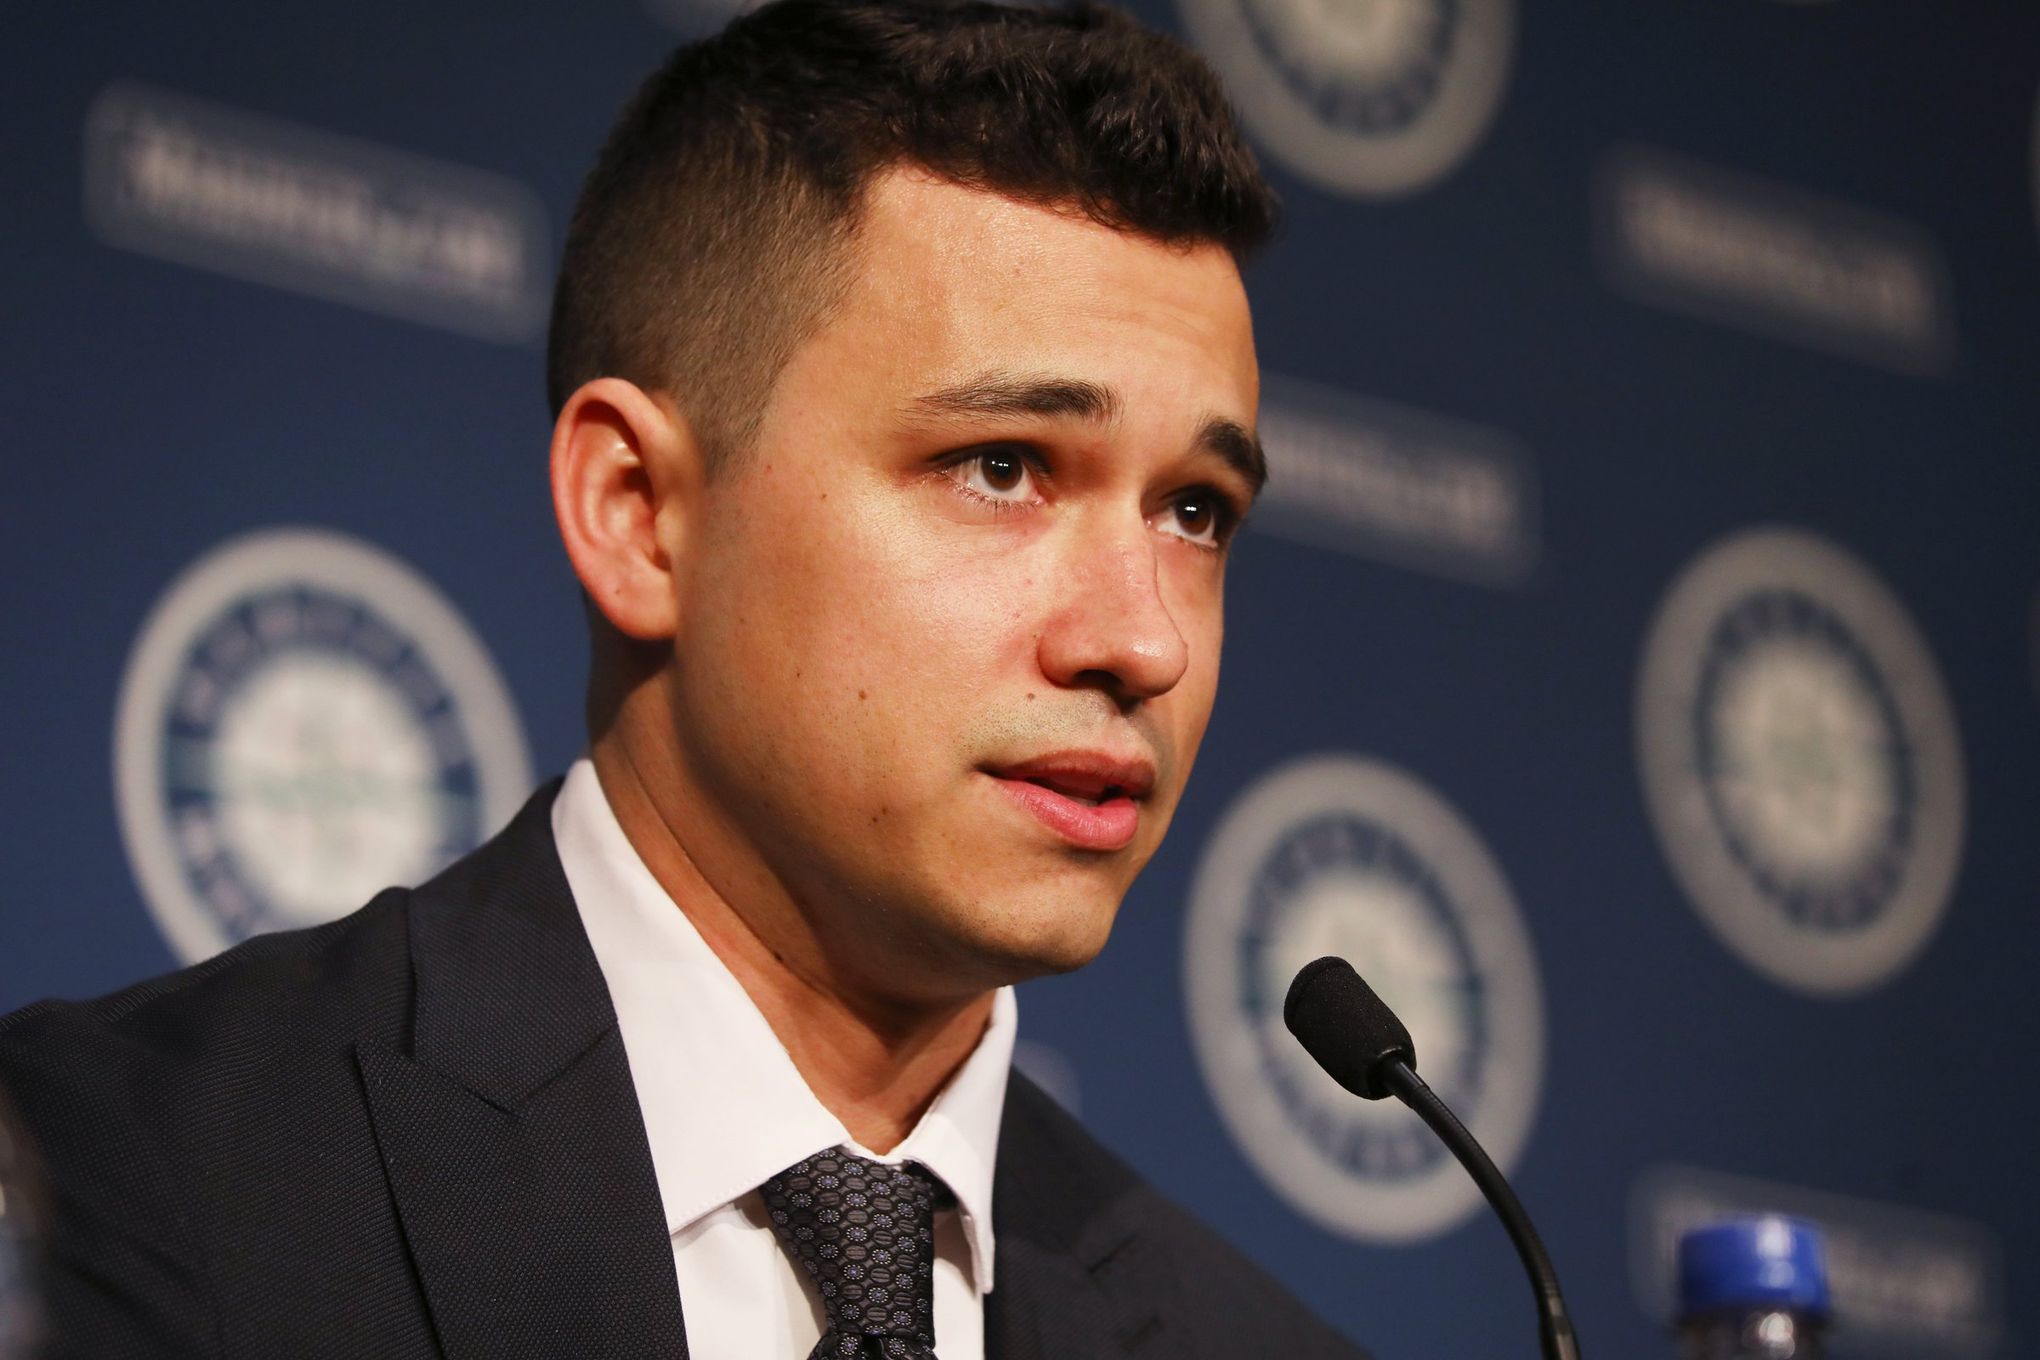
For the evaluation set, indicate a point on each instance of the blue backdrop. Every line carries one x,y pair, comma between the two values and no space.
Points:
1636,665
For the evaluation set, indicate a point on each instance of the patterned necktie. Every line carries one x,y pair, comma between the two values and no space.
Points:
864,1233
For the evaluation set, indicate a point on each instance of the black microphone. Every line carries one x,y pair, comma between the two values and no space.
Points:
1357,1039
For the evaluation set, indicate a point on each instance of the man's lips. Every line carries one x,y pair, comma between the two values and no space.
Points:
1089,798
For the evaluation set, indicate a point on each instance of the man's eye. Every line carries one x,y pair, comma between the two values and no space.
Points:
1199,516
998,475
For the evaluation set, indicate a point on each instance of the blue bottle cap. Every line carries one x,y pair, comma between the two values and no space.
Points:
1770,1261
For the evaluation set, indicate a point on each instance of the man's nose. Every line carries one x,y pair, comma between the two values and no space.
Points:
1114,631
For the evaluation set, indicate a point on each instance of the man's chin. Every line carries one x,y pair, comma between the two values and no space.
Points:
951,951
1042,945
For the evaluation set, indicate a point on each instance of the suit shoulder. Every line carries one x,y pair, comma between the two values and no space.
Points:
1101,1205
145,1107
268,992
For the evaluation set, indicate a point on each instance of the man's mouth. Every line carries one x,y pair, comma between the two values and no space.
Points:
1081,793
1091,799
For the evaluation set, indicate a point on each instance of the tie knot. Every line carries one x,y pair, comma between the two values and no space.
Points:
864,1233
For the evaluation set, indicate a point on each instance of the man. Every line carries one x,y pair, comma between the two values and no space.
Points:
904,386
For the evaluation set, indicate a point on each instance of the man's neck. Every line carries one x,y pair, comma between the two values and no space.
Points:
874,1062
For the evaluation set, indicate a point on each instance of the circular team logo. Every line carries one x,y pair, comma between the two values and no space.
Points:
304,721
1800,760
1340,855
1368,97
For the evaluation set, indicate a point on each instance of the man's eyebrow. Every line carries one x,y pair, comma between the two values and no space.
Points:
1237,445
1003,394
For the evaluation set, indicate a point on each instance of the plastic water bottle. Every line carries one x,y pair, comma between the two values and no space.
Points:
1752,1289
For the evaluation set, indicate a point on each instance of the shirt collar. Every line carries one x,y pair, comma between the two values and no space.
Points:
724,1107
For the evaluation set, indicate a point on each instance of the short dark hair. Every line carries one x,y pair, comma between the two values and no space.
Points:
712,235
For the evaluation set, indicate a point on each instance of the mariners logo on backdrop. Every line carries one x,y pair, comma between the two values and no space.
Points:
312,211
1368,97
304,722
1801,761
1342,855
1772,258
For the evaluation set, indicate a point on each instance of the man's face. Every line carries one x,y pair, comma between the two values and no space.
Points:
949,633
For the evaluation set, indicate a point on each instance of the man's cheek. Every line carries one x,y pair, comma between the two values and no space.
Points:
975,612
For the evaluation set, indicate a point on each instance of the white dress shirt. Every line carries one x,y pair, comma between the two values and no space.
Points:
725,1108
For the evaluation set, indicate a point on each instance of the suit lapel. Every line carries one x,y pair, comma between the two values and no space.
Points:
1076,1277
510,1130
510,1133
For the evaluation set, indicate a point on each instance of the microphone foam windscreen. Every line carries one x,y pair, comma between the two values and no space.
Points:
1341,1022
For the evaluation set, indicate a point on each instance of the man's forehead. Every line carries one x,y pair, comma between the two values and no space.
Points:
909,197
964,305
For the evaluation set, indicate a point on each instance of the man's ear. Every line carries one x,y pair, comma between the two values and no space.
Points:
626,472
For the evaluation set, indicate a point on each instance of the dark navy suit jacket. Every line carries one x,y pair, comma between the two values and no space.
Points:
412,1133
